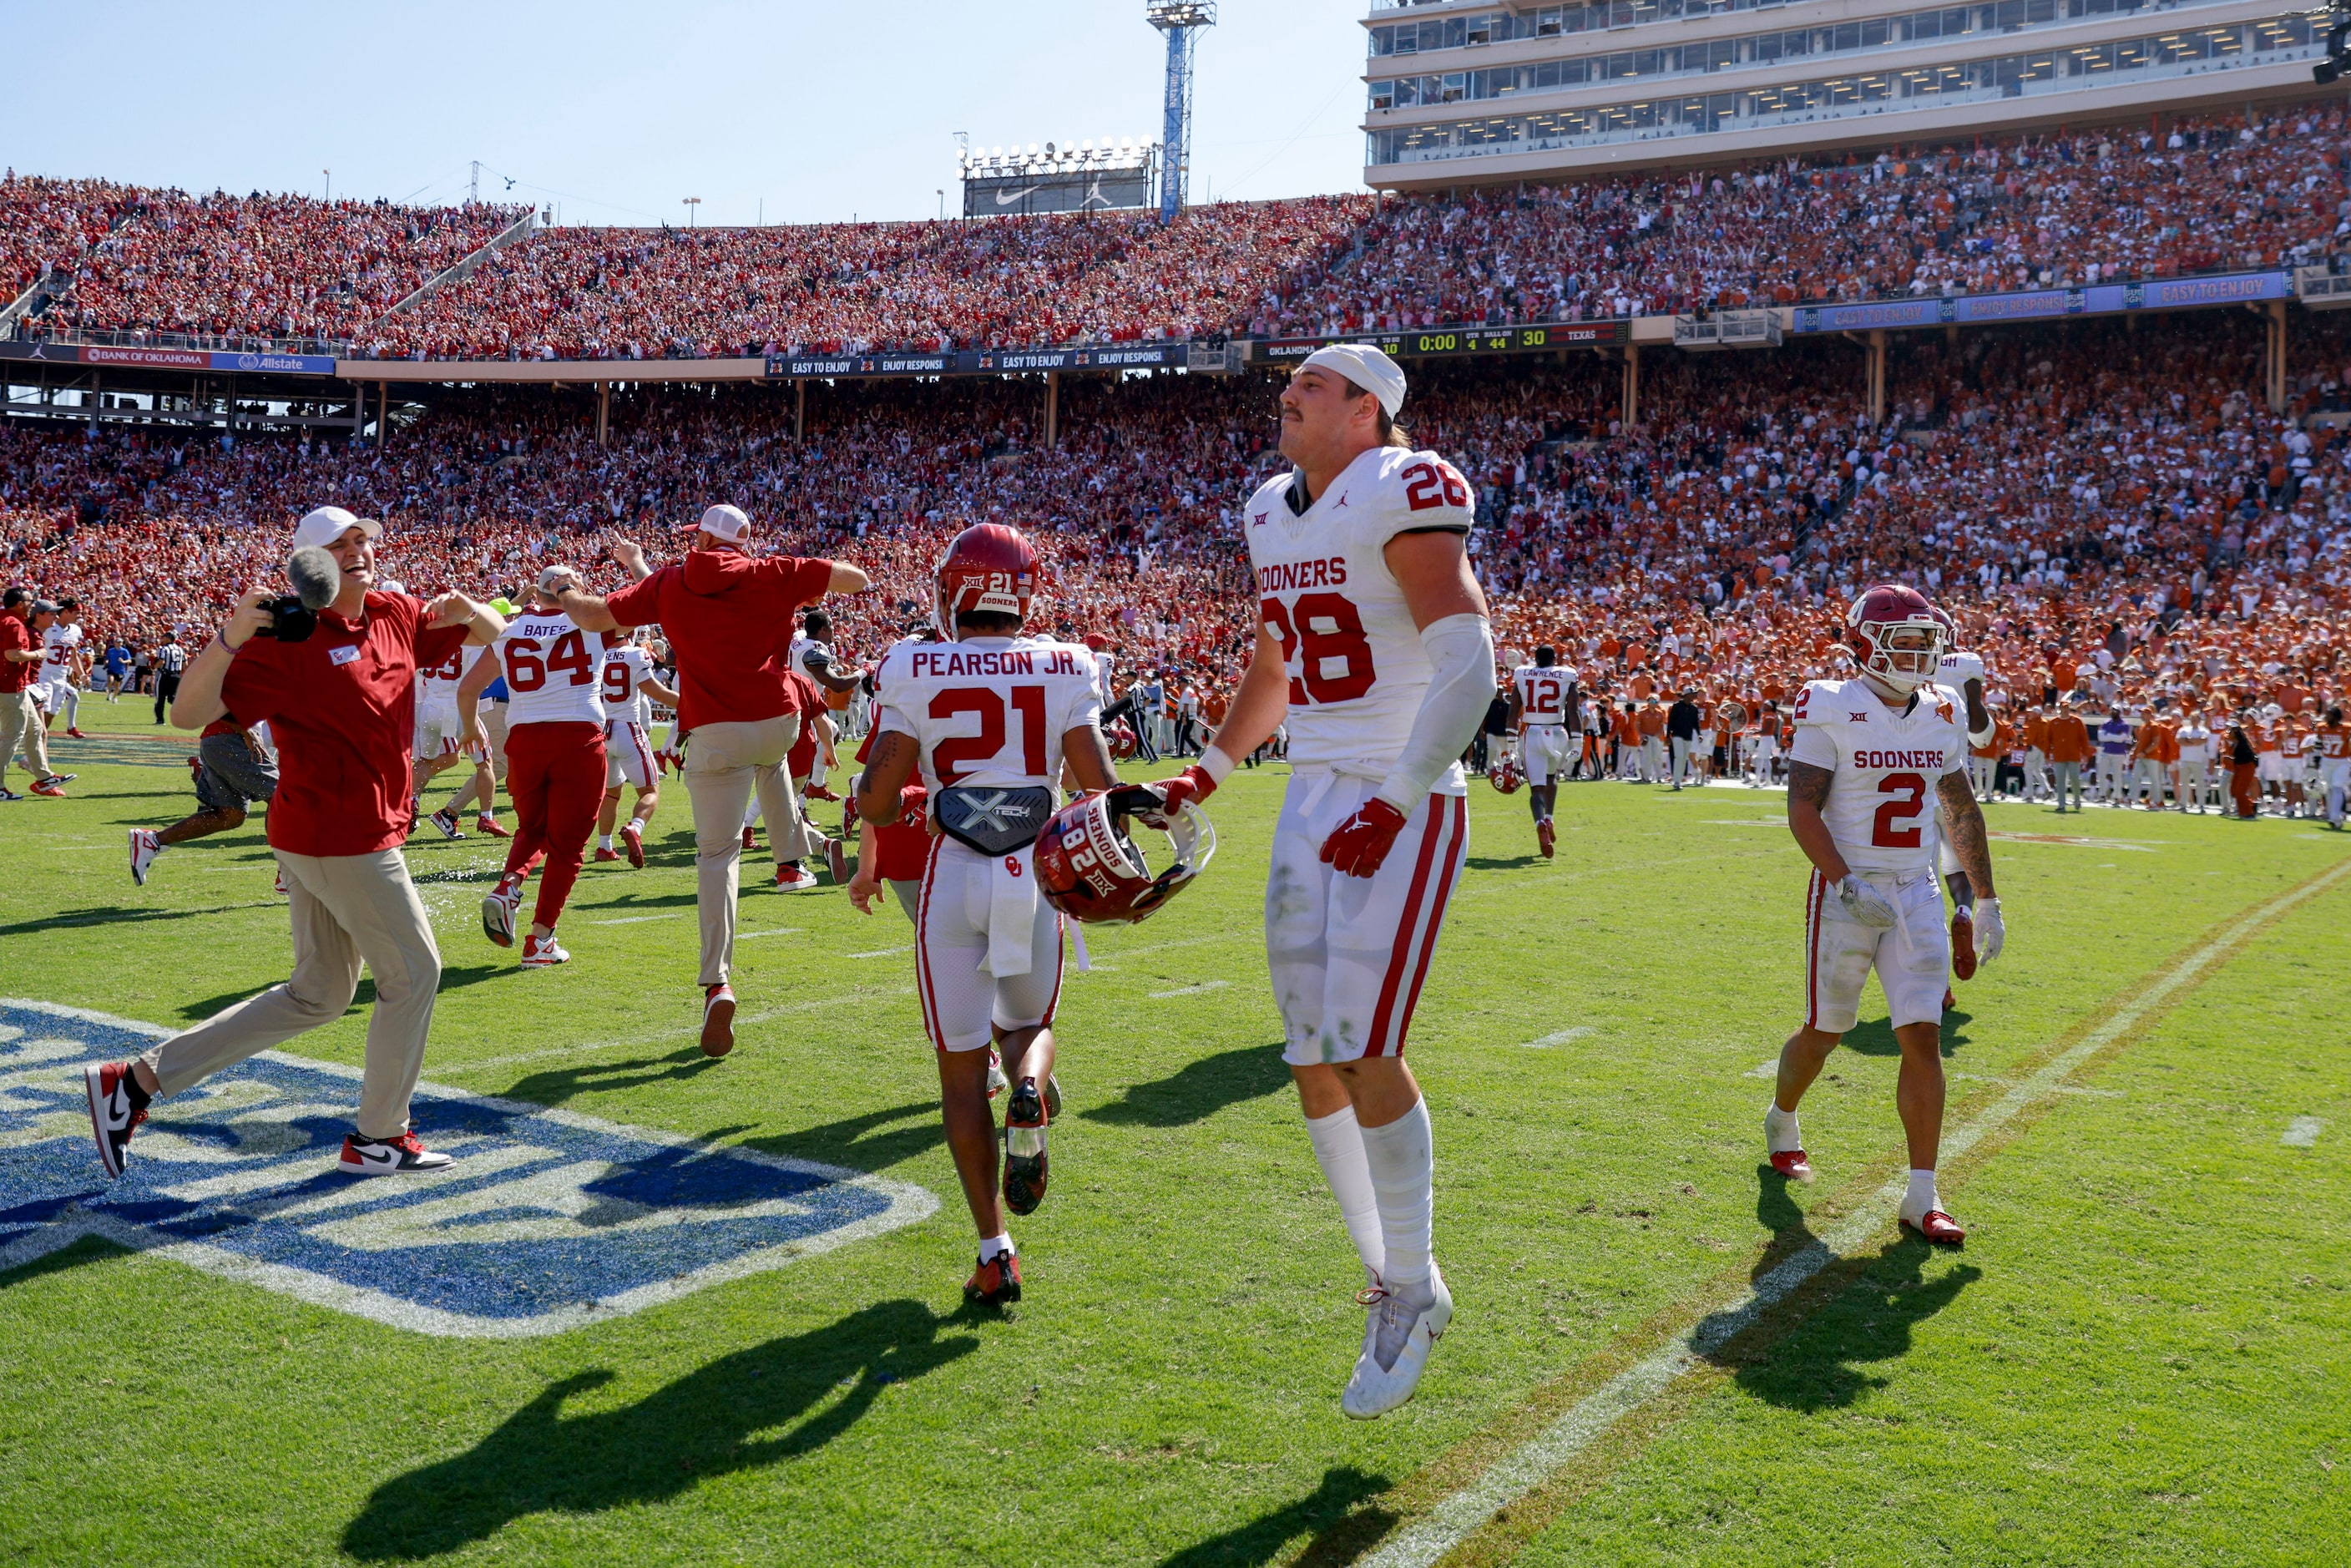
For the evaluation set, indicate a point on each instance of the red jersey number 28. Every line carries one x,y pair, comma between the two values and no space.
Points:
1427,484
1903,792
1338,663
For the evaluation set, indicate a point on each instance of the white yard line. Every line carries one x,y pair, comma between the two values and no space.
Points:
1458,1516
1190,990
1561,1038
2301,1133
640,919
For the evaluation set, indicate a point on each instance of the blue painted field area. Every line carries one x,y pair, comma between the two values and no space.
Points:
547,1221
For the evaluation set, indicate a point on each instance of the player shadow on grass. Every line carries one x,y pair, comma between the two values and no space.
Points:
1502,862
759,1406
1199,1090
558,1085
1875,1038
867,1142
119,915
1341,1533
1807,1353
363,998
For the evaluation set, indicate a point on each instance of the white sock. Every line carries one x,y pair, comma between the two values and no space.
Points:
603,841
1403,1161
1921,1196
993,1244
638,824
1780,1135
1339,1149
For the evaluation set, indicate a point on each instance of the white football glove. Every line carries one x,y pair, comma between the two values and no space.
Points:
1864,905
1989,932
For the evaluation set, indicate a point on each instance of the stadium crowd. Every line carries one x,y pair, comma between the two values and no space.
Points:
2198,194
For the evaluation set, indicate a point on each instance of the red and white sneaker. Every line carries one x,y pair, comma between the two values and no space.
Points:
717,1020
819,792
1963,945
52,786
390,1157
1938,1228
836,861
996,1282
1795,1165
283,891
75,733
498,912
632,839
486,823
542,952
117,1106
1544,839
604,854
793,879
144,847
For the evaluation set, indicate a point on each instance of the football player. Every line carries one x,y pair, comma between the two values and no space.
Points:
1963,673
1542,699
812,656
986,718
555,758
2333,744
63,668
1372,642
440,744
1867,753
627,689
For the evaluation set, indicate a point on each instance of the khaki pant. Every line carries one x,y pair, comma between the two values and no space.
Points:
724,764
347,909
22,724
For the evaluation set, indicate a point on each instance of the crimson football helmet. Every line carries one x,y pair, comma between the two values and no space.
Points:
1121,738
988,567
1503,773
1090,870
1880,616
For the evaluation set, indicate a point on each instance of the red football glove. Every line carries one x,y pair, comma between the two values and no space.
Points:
1192,784
1362,842
1155,805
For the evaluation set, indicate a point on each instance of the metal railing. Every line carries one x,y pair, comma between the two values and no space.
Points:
38,330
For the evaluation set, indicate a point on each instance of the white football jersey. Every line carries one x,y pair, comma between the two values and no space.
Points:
552,669
1887,761
439,684
797,658
1357,670
625,670
57,644
989,711
1543,692
1958,669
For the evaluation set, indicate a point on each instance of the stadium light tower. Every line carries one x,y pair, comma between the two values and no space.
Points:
1181,20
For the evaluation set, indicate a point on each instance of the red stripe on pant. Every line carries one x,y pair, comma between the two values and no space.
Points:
1814,895
555,774
1400,958
922,951
1453,854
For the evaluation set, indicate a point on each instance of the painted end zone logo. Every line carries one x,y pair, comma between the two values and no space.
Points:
548,1220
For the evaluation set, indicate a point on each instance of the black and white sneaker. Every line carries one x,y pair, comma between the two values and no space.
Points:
390,1157
117,1105
1025,1121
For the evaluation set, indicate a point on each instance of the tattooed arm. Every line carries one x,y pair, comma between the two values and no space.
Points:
1808,792
889,767
1964,819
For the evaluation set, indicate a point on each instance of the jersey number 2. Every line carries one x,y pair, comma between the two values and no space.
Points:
1906,790
956,755
1330,628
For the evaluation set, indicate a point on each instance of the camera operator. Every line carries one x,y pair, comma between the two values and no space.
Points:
333,674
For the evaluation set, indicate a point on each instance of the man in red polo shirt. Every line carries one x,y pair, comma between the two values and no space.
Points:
728,617
21,720
340,706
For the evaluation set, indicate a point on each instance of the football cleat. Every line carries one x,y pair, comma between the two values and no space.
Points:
717,1020
605,854
632,840
1545,838
542,952
819,792
447,822
75,733
1963,945
1025,1120
748,842
498,912
116,1108
1405,1335
1938,1228
836,859
49,787
793,879
1795,1165
144,847
486,823
996,1282
389,1156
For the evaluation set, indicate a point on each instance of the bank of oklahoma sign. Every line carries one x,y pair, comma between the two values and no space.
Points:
547,1221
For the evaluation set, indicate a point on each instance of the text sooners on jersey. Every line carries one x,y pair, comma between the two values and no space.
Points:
553,670
1357,671
1886,762
989,711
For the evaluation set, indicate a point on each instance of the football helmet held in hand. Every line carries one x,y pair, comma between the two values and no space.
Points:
1503,774
1090,870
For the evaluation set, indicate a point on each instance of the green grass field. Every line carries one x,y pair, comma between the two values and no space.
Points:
2139,1358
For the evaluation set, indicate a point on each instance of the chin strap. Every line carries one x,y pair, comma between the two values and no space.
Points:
1461,649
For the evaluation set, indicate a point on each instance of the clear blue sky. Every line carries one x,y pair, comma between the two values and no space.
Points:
615,111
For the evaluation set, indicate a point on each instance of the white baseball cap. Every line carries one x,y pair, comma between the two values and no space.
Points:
1364,365
724,522
324,526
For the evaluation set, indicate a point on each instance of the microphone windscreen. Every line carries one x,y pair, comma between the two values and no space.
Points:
316,577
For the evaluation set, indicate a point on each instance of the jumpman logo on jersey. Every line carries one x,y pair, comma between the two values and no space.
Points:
1340,502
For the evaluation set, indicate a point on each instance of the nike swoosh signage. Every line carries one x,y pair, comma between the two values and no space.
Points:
548,1220
1005,198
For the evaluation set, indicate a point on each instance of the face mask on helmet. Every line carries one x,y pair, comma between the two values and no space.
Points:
1091,870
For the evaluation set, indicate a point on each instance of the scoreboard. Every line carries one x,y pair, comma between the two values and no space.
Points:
1445,342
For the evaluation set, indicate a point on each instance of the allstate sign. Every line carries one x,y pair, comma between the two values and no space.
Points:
548,1220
